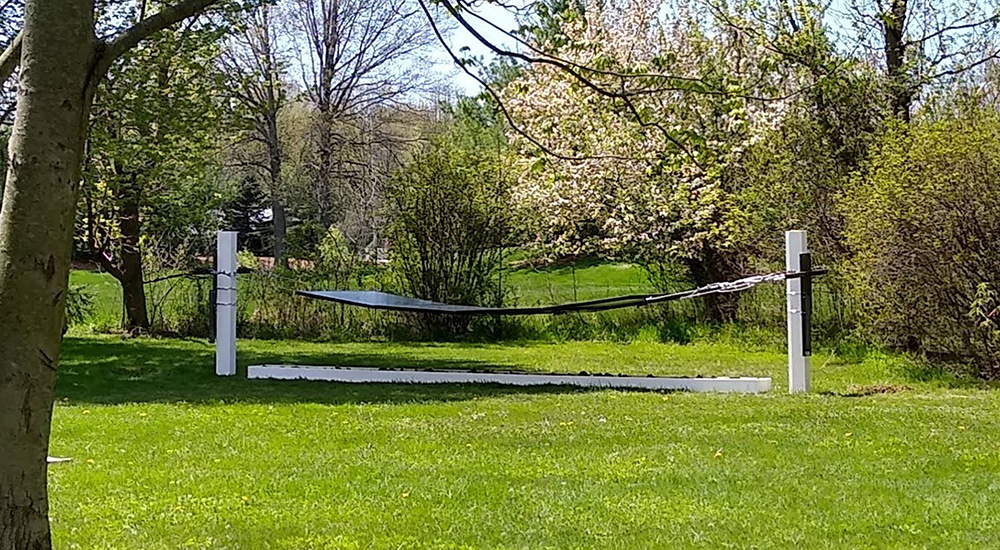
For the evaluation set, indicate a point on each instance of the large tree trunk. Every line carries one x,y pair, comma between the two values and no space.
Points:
133,291
36,226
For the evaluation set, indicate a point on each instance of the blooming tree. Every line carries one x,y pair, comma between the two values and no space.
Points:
644,172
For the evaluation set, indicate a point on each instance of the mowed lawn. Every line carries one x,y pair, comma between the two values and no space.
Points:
166,455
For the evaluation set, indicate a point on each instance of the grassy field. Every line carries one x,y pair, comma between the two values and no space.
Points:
165,455
105,291
588,280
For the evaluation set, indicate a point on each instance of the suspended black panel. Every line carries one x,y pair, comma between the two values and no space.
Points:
383,300
392,302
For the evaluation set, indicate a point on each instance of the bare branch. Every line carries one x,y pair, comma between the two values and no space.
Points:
503,109
11,58
960,70
951,28
594,70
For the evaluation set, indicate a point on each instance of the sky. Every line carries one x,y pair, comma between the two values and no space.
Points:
459,38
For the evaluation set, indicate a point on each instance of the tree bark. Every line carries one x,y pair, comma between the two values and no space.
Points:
280,229
274,174
36,226
133,291
324,176
712,267
894,34
59,68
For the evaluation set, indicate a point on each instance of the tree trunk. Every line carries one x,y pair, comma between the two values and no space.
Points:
325,176
278,211
274,174
36,226
894,34
712,267
134,299
133,291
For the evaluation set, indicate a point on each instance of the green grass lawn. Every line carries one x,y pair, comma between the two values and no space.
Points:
168,456
105,291
589,280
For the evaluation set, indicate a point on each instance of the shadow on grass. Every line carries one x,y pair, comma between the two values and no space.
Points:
110,371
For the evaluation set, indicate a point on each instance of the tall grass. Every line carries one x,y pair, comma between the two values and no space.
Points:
268,308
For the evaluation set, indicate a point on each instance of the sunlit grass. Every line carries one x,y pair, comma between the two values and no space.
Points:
166,455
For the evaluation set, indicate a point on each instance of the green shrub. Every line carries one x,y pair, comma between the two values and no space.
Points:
923,227
450,222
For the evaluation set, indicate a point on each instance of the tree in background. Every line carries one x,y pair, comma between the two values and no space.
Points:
792,176
154,135
650,176
244,210
925,241
923,45
255,67
360,59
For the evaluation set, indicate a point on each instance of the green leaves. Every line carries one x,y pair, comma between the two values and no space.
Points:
154,136
451,215
922,224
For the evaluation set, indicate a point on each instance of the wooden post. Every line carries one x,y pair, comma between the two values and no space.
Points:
225,304
798,358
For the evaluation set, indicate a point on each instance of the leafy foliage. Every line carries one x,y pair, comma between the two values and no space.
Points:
924,233
150,182
79,304
153,137
452,217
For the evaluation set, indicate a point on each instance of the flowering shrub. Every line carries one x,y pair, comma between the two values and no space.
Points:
635,160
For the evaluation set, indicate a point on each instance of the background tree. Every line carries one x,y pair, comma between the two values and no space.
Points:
925,240
792,176
651,178
360,60
924,44
451,212
255,67
154,134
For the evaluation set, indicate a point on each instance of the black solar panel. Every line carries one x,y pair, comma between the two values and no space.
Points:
392,302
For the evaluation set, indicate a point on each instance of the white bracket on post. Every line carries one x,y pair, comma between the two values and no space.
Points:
798,356
225,304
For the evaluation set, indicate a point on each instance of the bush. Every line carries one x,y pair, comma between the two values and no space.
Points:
923,228
450,221
342,267
79,304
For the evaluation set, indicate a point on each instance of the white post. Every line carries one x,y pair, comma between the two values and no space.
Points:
225,304
798,361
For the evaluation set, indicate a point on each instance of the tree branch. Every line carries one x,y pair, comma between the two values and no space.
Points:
503,108
147,27
11,58
993,19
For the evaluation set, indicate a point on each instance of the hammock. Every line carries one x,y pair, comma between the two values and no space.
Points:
392,302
